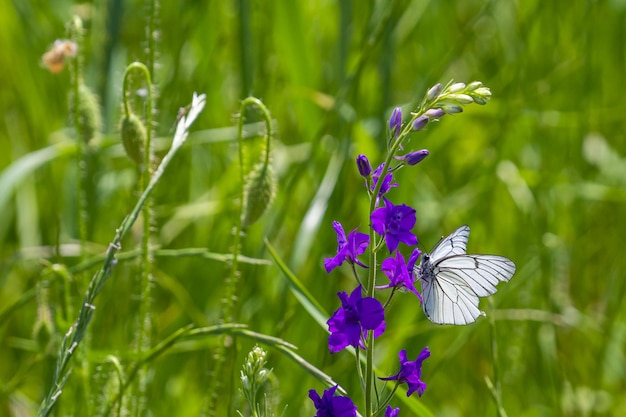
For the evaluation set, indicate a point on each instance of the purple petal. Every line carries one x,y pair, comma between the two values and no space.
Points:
391,412
391,241
378,220
341,235
371,313
342,407
421,122
317,401
413,260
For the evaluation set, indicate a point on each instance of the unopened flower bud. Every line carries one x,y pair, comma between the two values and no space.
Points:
134,136
259,192
364,166
461,98
262,376
474,85
415,158
481,95
483,91
421,122
434,114
434,92
395,121
451,108
89,118
456,87
245,381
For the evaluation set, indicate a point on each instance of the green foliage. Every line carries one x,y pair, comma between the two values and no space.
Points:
538,174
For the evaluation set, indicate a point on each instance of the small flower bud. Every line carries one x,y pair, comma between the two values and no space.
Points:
434,114
89,118
364,166
456,87
461,98
262,376
474,85
134,135
259,192
421,122
415,158
480,100
483,91
434,92
481,95
395,121
451,108
245,382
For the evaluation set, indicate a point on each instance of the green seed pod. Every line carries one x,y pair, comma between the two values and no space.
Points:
89,118
133,134
258,194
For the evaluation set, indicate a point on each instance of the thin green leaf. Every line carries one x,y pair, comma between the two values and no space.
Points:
306,299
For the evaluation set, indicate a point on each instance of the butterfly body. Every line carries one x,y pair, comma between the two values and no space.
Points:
452,280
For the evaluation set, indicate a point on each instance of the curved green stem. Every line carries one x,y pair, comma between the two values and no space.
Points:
249,101
145,322
231,283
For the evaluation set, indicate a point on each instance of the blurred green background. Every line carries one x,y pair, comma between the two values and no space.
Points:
539,174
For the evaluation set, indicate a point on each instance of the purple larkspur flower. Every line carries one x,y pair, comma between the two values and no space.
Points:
330,405
421,122
356,315
412,261
395,223
391,412
413,158
387,181
399,277
416,157
411,372
395,121
364,166
434,114
434,91
348,248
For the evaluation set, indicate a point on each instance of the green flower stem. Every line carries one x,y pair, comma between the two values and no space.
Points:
145,320
445,98
77,332
231,283
75,31
374,248
371,283
153,8
249,101
268,126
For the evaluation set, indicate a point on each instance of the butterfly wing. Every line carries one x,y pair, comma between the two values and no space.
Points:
452,281
455,244
447,298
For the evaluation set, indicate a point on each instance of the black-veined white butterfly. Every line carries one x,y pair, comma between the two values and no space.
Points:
452,280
